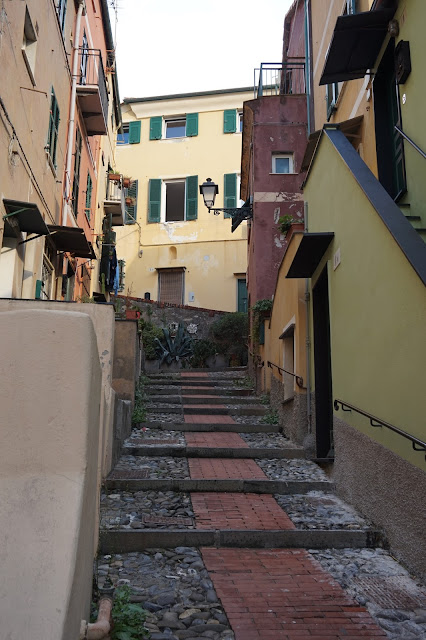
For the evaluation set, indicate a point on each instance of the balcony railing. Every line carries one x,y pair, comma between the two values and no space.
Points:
92,91
114,203
280,79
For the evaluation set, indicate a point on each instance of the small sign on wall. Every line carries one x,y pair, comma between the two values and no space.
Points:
336,259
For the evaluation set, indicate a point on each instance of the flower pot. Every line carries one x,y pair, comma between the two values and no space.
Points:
126,182
132,314
114,177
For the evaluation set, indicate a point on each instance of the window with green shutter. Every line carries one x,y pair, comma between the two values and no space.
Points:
52,136
230,121
132,204
154,208
229,192
191,197
191,124
134,132
155,128
89,186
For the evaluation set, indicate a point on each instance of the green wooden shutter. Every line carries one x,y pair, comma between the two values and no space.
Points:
191,124
155,128
229,192
230,121
39,286
135,132
191,197
131,209
154,210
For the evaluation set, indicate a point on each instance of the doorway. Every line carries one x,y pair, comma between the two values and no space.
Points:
322,368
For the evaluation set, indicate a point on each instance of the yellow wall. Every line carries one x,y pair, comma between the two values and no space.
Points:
211,254
377,308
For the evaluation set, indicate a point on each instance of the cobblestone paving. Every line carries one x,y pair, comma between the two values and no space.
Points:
267,440
145,434
126,510
292,470
317,510
175,587
166,467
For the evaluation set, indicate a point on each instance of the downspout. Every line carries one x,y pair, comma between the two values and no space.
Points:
71,122
307,67
101,628
308,336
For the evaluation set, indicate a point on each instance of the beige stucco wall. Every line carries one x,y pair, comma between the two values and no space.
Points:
211,254
377,308
103,320
48,487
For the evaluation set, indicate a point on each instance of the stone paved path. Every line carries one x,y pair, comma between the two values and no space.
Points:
255,588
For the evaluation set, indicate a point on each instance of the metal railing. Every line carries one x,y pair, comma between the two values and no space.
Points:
418,445
114,190
299,379
408,139
280,79
91,72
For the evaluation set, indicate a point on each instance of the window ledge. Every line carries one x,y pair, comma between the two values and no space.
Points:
50,163
291,173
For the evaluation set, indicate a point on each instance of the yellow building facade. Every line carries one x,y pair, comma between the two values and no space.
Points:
175,251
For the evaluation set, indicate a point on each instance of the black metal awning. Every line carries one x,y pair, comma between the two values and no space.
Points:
308,256
71,240
23,216
355,45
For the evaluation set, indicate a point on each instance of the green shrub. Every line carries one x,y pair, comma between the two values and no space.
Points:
230,333
149,332
202,349
128,618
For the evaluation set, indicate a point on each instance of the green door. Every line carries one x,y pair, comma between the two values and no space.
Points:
242,295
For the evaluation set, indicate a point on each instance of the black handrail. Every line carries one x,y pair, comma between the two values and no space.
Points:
418,445
413,144
299,379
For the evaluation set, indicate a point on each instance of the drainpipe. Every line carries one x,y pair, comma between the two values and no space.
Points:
308,337
101,628
81,11
307,66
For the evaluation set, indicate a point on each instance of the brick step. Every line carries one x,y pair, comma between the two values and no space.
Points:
226,485
218,411
197,391
125,541
181,451
202,382
236,427
204,399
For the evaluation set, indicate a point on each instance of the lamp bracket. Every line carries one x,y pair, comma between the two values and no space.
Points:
246,213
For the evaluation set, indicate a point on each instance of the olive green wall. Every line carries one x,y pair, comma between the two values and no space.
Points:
377,308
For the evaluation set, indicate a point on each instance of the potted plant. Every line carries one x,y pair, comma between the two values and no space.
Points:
113,176
130,201
285,222
127,181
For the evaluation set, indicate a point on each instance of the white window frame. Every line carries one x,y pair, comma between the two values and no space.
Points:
239,121
166,120
29,45
121,143
164,184
239,201
288,156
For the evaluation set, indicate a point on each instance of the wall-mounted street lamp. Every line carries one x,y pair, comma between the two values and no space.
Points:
209,191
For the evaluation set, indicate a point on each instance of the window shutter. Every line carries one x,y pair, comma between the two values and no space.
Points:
131,209
155,128
230,121
134,132
191,197
154,210
191,124
230,192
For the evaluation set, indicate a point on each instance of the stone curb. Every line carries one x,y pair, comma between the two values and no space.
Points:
125,541
287,487
216,391
213,411
180,451
182,399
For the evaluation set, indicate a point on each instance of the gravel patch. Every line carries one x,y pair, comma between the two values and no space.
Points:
305,470
267,440
249,420
164,405
173,585
162,417
377,581
318,510
138,510
145,434
165,467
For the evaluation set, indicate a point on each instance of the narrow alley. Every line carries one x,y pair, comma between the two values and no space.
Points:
223,530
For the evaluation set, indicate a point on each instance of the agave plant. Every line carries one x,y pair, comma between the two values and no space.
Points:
176,348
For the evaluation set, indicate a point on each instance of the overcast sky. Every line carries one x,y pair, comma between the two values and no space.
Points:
171,46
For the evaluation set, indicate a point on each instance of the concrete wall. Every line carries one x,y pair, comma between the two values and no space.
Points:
48,468
212,255
127,358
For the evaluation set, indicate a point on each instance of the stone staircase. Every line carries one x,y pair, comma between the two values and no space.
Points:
210,513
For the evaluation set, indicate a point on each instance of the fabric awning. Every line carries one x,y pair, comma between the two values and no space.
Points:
355,45
309,254
27,216
71,240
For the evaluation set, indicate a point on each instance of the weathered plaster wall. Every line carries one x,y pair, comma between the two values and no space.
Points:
127,358
48,488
